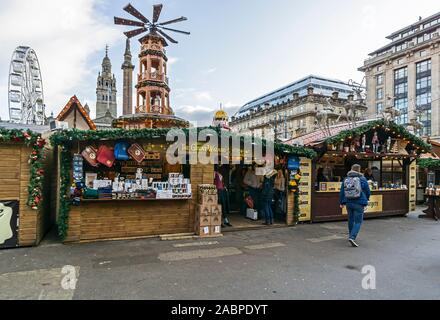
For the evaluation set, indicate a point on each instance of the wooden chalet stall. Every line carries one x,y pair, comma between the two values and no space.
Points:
24,187
389,153
164,199
124,212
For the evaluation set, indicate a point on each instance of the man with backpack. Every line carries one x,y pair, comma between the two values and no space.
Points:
355,194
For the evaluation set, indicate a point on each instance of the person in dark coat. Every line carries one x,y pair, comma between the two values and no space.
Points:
267,193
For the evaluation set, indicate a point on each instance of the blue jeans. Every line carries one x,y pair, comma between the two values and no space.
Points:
268,213
355,219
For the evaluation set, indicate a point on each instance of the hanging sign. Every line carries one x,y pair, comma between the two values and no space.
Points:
293,163
9,221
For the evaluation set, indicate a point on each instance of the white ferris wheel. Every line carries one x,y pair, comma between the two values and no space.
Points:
26,99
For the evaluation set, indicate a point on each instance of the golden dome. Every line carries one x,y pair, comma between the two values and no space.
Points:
221,115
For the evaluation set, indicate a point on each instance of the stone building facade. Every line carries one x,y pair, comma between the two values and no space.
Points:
292,111
106,91
406,74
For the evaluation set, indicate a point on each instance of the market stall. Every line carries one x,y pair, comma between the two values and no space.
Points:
387,153
118,184
24,199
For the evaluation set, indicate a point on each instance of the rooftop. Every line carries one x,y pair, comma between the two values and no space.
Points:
19,126
321,85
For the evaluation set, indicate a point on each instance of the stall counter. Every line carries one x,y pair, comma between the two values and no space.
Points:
382,203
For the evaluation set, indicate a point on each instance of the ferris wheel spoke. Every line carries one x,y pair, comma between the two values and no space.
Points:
29,91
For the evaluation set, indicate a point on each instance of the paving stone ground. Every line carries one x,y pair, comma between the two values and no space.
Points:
311,261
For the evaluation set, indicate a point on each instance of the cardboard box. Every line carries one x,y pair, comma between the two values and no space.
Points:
216,210
203,231
204,210
216,230
208,199
216,220
203,221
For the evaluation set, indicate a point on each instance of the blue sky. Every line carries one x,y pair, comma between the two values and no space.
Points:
238,49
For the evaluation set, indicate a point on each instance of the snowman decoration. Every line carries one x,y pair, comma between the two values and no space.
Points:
5,223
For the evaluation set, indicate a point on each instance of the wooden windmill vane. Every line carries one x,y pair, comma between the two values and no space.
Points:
153,108
145,25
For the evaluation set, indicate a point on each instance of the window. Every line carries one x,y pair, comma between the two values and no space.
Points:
379,94
379,107
422,53
401,73
379,68
424,66
423,83
401,89
379,79
424,99
424,95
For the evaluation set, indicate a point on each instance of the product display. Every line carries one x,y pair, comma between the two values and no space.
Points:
137,153
121,151
106,156
90,154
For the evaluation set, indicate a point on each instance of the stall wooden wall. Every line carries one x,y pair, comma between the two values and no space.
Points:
14,182
135,219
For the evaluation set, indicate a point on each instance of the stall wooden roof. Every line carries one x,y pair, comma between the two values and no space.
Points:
75,103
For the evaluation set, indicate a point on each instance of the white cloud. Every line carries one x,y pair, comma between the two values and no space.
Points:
209,71
64,34
194,109
203,96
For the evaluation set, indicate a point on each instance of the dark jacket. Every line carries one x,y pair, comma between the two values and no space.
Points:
268,191
365,195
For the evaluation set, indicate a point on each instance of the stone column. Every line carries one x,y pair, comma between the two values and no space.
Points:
435,124
411,90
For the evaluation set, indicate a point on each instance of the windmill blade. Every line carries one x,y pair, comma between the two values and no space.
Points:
135,13
173,21
127,22
174,30
156,12
167,36
134,33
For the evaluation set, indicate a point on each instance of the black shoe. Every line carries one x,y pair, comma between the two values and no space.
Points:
223,226
265,224
229,225
353,243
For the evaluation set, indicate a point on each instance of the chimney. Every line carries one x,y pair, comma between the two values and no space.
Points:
335,95
350,97
310,91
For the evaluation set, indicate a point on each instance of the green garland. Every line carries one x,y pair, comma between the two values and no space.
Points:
296,209
432,164
36,158
154,53
148,83
396,129
64,210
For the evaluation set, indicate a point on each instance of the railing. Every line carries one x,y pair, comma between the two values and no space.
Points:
154,109
153,76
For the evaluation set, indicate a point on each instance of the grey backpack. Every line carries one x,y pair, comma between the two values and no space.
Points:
352,188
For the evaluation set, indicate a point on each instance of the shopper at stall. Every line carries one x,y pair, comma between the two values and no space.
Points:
354,195
267,193
320,177
368,174
223,196
252,181
280,189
